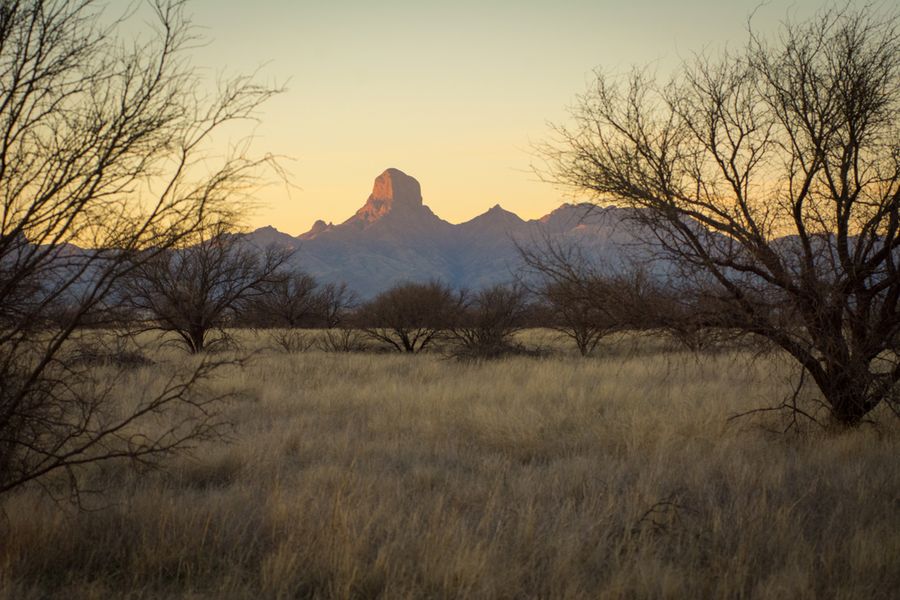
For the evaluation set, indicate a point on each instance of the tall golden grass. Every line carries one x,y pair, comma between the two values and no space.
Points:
380,475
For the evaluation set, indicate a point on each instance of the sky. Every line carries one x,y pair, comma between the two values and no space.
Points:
454,94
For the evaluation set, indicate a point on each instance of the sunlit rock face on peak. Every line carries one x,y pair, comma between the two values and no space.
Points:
394,190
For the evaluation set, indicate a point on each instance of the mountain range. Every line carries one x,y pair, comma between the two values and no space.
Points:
395,237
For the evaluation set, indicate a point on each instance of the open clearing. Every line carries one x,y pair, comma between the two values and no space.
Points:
366,475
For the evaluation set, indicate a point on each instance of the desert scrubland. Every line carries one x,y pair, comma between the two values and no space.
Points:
360,475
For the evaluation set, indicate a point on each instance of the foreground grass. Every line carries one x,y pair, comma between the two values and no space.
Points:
366,475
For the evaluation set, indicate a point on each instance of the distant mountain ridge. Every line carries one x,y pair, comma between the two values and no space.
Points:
395,237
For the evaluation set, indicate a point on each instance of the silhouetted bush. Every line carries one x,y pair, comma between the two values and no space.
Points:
342,339
410,316
197,290
488,322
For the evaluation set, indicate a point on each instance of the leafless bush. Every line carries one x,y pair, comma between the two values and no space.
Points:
488,322
196,290
292,341
289,300
108,348
410,316
335,301
582,299
342,339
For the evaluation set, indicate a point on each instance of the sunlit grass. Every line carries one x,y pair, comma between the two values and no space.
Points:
363,475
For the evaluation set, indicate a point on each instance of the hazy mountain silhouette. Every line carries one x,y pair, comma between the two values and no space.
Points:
395,237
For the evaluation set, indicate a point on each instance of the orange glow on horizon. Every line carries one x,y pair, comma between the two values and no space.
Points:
452,94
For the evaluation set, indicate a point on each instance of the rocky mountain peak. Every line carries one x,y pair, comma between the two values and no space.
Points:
498,211
496,216
269,236
318,227
393,190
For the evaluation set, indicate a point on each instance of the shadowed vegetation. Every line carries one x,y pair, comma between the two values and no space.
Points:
399,475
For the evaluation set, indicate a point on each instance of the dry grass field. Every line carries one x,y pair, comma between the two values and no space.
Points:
381,475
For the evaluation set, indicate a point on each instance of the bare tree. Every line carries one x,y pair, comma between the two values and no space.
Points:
196,290
342,338
488,322
291,301
334,301
409,316
771,179
286,304
103,148
296,301
584,301
587,298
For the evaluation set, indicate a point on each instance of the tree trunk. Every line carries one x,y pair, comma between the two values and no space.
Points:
848,400
198,338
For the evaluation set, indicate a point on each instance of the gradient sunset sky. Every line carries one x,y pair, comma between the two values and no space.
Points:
452,93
